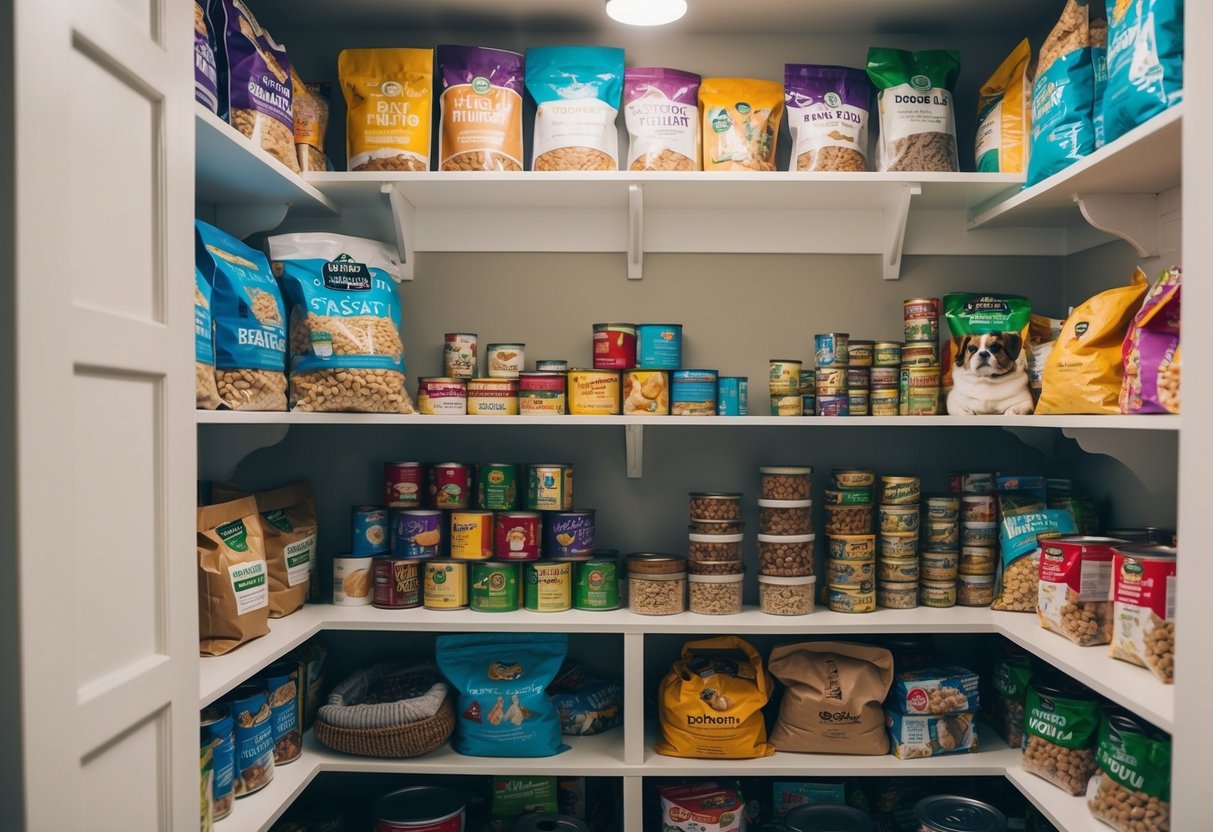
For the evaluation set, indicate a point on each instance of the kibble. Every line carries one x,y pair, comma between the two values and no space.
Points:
947,700
780,596
785,483
1086,623
716,527
651,595
1160,649
574,158
251,389
705,506
1129,811
481,160
715,567
784,521
271,135
1067,768
1020,585
785,557
723,547
715,597
845,520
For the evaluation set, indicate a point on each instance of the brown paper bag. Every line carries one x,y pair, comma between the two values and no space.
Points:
833,702
233,594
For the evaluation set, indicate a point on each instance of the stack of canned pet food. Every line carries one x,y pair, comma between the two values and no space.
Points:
832,378
851,542
978,538
714,553
920,370
457,535
786,582
897,570
791,388
941,551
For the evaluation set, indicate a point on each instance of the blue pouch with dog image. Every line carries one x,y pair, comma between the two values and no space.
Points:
503,708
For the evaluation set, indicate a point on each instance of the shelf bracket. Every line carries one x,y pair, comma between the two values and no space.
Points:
404,220
896,216
1131,217
635,233
633,436
243,221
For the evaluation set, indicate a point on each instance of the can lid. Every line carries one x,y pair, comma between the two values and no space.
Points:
716,495
814,817
507,344
716,579
664,326
548,822
806,471
884,344
418,803
716,538
407,464
948,813
786,538
449,465
531,514
443,561
1149,552
785,503
456,334
943,585
417,512
786,361
782,580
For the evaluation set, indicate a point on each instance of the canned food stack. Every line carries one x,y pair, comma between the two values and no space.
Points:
859,378
978,539
884,379
920,369
940,551
786,582
791,388
714,553
851,541
898,568
832,354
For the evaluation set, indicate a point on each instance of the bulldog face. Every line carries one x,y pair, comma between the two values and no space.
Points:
992,354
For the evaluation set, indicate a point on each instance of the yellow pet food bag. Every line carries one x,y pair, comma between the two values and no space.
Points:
1004,115
710,703
740,123
389,96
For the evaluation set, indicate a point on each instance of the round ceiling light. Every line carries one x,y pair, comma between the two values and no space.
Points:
646,12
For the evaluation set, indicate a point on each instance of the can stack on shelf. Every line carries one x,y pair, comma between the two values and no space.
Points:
978,534
859,378
920,369
851,540
786,384
900,521
940,550
785,546
832,355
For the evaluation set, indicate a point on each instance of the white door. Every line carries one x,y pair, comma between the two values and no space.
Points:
100,511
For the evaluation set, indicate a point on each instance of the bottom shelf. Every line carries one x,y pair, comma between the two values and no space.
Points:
1066,812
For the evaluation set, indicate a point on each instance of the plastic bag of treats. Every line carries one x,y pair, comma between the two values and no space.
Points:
1060,733
577,92
1150,352
388,97
1024,521
1145,62
661,111
1132,791
740,123
828,111
914,97
205,392
481,105
1010,680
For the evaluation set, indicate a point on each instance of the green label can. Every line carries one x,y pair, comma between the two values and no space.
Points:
494,586
596,584
547,586
497,486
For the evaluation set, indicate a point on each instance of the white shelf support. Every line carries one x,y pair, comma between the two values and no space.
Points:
635,233
1133,218
244,220
633,692
896,215
633,436
404,220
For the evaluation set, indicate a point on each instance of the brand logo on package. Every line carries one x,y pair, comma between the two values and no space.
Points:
832,99
345,274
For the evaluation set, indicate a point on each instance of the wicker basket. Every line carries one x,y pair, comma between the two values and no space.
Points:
411,740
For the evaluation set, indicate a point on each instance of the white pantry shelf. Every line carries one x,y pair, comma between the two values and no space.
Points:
219,674
1067,812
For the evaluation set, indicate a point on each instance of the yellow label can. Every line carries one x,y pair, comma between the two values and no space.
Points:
593,392
446,585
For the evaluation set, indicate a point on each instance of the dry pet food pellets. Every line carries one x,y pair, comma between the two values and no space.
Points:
718,505
787,556
827,116
714,547
914,96
786,595
577,91
388,93
716,527
784,517
658,594
310,108
481,105
1075,585
1061,733
1143,608
1132,791
715,567
740,123
847,520
716,594
661,112
786,483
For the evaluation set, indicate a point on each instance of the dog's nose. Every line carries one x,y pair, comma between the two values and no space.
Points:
984,353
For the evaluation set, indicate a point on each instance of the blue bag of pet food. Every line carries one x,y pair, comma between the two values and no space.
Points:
204,344
1063,96
502,678
1145,62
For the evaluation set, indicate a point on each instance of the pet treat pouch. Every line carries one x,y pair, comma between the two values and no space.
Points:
577,92
740,123
979,314
1150,352
1145,62
710,703
1063,95
503,708
1004,114
828,111
205,393
481,103
388,96
914,99
661,110
1084,372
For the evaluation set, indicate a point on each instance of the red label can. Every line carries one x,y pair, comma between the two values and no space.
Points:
404,484
614,346
397,583
450,485
516,535
419,809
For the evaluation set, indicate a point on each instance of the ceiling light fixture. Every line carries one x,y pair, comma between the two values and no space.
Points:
646,12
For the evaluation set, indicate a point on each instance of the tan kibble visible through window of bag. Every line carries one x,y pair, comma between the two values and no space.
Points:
481,103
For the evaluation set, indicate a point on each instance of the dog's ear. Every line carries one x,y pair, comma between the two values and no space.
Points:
963,352
1013,342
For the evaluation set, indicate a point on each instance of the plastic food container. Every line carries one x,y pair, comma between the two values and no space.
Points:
714,547
975,590
785,517
716,527
786,483
715,567
716,594
778,595
785,556
657,593
715,505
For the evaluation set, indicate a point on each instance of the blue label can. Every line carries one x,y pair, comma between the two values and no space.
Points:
285,696
808,404
830,348
659,346
693,393
217,733
254,738
731,396
368,530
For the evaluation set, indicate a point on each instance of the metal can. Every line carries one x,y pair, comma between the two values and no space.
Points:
494,586
851,574
497,486
419,809
859,353
831,381
368,530
253,738
920,355
807,378
833,406
541,394
547,586
785,377
789,405
403,484
596,584
808,404
442,396
921,319
978,508
549,822
943,507
506,360
551,365
732,396
218,733
593,392
853,477
841,599
471,535
941,567
980,483
884,378
446,585
659,346
857,377
397,583
614,346
883,402
920,391
939,594
830,349
693,393
898,491
947,813
450,485
285,693
568,533
858,402
416,533
492,397
886,354
646,393
459,355
896,570
352,581
516,535
550,487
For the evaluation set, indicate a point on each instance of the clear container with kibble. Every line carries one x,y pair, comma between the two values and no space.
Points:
848,520
715,567
786,483
716,527
716,594
714,547
657,584
715,505
785,517
779,595
786,555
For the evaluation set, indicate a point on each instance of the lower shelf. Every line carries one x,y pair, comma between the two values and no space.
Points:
1067,813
